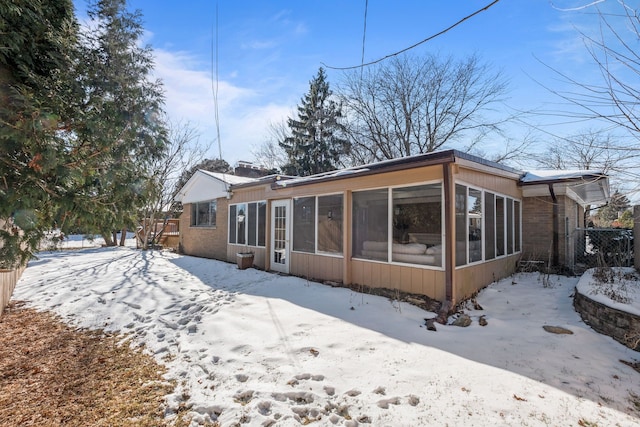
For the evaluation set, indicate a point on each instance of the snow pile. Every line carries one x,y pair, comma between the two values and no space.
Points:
255,348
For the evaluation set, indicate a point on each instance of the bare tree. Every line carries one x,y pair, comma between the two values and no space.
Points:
613,49
613,96
413,105
183,151
270,155
589,150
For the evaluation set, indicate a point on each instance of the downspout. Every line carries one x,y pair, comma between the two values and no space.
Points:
448,303
555,248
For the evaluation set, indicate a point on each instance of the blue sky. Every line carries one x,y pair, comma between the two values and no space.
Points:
269,50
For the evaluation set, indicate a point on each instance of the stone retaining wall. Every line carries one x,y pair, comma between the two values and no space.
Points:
622,326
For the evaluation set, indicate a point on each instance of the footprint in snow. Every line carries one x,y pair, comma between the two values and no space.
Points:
384,403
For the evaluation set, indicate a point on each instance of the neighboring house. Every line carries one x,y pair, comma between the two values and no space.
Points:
443,224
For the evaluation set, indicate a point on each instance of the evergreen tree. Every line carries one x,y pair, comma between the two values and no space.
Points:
316,143
120,130
617,204
37,106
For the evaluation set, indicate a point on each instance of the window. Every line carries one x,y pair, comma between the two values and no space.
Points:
252,220
474,204
247,223
461,224
417,224
500,223
203,214
516,222
485,222
233,230
371,224
404,222
330,223
490,225
262,223
304,224
509,226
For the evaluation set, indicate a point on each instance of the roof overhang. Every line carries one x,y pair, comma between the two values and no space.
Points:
204,185
403,163
584,187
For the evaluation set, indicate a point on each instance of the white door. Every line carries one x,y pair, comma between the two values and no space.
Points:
280,235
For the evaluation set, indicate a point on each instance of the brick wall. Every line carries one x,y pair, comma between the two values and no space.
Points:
207,242
537,228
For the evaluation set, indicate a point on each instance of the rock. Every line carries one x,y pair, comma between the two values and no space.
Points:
463,321
557,330
476,306
431,326
482,321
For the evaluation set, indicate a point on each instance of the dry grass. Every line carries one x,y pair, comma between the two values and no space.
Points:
52,374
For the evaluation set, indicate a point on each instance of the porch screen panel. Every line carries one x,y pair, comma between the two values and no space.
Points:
509,226
474,204
500,225
304,224
489,226
252,223
262,223
241,224
371,224
330,214
417,224
516,224
461,224
232,223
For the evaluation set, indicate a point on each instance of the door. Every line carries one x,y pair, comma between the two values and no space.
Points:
280,235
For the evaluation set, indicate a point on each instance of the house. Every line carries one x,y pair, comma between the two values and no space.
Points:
442,224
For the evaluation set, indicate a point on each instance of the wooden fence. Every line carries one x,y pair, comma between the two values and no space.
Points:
8,280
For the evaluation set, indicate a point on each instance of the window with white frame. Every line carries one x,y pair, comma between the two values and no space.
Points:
317,224
404,222
485,222
203,214
247,223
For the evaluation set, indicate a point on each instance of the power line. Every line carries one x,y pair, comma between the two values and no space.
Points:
364,35
416,44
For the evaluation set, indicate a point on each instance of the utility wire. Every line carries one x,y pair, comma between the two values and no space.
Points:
416,44
364,36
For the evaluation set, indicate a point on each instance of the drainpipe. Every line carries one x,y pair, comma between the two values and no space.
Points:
556,233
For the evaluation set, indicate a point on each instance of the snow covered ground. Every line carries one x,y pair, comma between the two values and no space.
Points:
254,348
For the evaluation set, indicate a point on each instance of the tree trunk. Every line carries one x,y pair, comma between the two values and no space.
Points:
123,236
108,241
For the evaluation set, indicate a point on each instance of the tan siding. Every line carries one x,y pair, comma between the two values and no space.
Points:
471,279
360,183
489,182
416,281
316,267
404,278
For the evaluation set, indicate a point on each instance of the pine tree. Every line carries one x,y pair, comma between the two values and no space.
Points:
316,143
120,131
37,107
